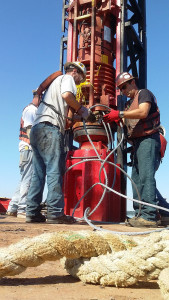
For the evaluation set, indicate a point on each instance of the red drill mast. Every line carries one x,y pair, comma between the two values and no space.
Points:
109,37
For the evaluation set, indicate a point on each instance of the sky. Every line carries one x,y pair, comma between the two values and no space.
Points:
30,33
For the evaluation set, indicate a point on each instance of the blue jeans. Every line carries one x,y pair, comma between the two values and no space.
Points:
19,199
48,160
146,155
160,200
163,203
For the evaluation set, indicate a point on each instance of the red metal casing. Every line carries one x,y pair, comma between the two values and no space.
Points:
82,176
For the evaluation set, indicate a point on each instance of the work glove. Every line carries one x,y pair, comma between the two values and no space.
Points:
119,122
113,116
91,117
77,118
83,112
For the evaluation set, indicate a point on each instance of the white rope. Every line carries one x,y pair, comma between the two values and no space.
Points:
95,257
163,282
127,267
53,246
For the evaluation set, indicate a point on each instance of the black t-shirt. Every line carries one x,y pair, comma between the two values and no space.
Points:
147,96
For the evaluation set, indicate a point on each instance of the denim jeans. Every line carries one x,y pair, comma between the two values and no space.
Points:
48,161
146,154
163,203
160,200
19,199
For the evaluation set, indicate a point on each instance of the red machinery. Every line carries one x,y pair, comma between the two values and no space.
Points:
4,202
96,36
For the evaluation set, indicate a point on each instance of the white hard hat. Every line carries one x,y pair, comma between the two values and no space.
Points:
76,64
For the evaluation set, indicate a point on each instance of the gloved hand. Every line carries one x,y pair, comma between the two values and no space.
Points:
77,118
119,122
83,112
91,117
113,116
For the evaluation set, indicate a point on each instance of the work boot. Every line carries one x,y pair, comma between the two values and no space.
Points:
43,209
61,220
36,219
11,213
21,215
164,220
127,220
140,222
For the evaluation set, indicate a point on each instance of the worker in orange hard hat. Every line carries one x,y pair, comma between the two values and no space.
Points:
142,120
122,78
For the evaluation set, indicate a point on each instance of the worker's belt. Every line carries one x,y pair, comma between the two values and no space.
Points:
50,124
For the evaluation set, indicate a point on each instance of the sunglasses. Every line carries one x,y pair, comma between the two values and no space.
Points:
123,87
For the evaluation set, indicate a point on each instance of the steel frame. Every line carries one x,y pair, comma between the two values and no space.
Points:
131,53
133,39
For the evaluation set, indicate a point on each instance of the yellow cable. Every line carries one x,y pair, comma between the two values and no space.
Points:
79,91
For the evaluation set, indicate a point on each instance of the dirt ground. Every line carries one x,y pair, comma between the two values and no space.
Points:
50,280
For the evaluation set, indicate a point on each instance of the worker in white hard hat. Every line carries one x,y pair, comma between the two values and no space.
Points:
47,141
76,68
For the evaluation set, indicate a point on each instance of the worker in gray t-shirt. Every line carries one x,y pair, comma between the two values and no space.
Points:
47,141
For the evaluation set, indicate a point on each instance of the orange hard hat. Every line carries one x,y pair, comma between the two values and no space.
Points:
122,78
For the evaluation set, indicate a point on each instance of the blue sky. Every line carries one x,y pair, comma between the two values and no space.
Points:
30,34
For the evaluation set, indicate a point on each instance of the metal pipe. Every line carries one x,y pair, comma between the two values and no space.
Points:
92,54
83,17
74,57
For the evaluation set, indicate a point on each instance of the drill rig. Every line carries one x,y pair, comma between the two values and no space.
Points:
108,37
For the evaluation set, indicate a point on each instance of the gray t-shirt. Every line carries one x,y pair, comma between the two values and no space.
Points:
53,96
147,96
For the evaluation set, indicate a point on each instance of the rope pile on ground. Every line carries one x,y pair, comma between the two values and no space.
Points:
126,267
163,282
53,246
95,257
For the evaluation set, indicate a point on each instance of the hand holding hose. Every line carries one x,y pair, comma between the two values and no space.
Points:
83,112
113,116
